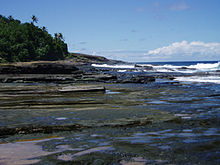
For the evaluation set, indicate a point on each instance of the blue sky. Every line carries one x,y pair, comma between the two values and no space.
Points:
130,30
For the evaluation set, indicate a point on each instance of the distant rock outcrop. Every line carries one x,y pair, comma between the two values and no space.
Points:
90,59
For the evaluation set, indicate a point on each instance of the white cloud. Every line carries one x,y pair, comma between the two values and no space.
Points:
181,6
184,50
178,51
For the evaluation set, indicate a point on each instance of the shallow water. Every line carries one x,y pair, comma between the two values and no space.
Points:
140,123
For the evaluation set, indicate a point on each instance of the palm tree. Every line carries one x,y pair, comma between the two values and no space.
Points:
34,19
56,37
10,18
60,36
44,28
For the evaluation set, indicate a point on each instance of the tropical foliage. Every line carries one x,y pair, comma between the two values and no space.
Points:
27,42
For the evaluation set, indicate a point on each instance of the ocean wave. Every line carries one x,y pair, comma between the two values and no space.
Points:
173,68
203,66
169,66
198,79
207,67
185,68
113,66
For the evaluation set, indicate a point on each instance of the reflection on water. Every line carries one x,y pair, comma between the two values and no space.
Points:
130,123
26,152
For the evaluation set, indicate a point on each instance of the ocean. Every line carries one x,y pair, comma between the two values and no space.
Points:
190,71
179,63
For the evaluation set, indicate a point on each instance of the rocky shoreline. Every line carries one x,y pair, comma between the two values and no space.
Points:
70,112
78,77
72,72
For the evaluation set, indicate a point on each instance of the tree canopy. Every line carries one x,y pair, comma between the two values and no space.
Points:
28,42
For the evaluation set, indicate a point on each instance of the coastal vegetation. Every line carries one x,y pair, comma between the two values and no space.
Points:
28,42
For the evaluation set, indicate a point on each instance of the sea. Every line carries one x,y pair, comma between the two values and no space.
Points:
189,71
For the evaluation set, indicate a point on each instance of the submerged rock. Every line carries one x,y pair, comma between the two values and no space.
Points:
83,88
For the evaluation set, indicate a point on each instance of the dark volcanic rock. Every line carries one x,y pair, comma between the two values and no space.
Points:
90,59
143,79
143,67
39,68
30,129
9,78
65,72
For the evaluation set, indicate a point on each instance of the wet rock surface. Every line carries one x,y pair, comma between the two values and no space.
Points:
103,116
38,68
70,72
127,124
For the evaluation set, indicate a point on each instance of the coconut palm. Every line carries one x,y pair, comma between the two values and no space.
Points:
10,18
44,28
56,37
34,19
60,36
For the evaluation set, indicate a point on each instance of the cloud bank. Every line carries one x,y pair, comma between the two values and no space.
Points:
184,50
177,51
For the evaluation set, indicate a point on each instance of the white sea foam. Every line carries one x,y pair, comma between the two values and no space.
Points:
122,70
61,118
176,70
143,65
187,69
168,66
202,66
173,68
165,68
207,79
113,66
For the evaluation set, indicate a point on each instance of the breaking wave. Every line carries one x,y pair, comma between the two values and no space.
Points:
200,72
208,67
198,79
113,66
199,67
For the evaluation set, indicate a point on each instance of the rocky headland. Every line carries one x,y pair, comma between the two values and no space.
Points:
77,69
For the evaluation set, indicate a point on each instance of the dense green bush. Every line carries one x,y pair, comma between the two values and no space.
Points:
27,42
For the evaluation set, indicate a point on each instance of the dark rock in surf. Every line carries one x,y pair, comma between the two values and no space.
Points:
143,67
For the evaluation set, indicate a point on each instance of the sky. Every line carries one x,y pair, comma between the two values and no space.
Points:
129,30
